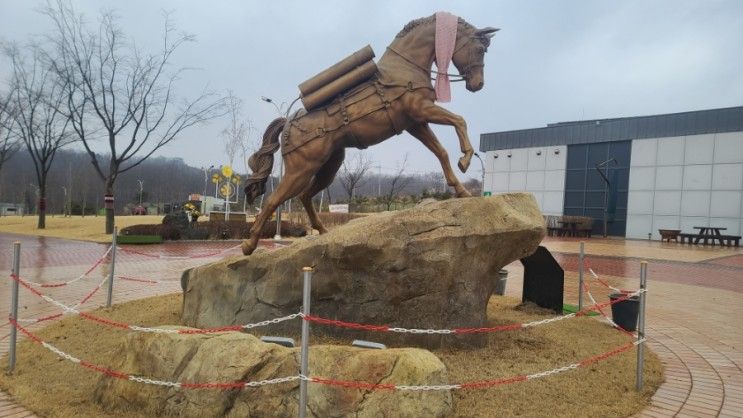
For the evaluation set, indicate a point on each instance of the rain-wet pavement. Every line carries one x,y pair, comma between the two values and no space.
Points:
694,307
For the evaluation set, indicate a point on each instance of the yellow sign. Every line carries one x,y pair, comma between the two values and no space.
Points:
227,171
226,190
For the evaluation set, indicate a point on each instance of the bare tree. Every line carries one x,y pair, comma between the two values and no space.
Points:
37,121
437,182
397,183
474,186
9,142
353,172
121,94
237,133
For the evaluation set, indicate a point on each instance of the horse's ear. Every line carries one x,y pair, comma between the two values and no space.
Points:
488,32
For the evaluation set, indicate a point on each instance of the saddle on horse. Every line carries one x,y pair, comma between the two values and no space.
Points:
346,92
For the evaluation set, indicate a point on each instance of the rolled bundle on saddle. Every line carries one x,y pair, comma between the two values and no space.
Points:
340,77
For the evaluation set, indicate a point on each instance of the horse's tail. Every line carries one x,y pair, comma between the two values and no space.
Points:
261,162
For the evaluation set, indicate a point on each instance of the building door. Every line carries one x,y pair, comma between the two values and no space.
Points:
585,188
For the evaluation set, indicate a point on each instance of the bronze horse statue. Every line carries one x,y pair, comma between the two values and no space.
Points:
400,97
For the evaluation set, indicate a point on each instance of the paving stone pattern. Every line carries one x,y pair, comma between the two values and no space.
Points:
694,308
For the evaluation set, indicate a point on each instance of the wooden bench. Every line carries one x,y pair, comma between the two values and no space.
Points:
731,240
553,230
585,232
688,238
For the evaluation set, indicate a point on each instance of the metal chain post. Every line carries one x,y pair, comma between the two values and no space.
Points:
113,267
581,255
641,327
14,305
306,291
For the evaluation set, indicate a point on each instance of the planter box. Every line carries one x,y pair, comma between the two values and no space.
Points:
139,239
669,234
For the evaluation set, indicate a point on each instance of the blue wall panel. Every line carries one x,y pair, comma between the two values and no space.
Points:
585,190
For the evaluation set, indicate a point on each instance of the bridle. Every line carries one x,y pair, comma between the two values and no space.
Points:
463,76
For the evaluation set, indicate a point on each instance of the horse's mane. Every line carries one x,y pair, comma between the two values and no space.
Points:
429,19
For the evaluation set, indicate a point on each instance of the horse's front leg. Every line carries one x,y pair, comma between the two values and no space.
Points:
432,113
424,134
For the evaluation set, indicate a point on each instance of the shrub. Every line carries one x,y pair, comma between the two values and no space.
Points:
214,230
142,230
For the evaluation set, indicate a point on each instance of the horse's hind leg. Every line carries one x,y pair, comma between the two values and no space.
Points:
323,178
290,186
423,133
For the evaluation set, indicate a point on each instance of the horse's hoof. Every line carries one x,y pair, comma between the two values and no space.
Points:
464,164
322,230
247,248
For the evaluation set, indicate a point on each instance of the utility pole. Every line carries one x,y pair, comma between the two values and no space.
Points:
281,166
69,185
379,180
482,179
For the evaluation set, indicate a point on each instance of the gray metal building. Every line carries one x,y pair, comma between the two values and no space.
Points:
670,171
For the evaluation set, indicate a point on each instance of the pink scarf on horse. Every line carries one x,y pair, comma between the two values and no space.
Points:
446,38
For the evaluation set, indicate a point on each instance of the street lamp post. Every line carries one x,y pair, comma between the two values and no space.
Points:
281,167
206,179
482,179
38,194
141,188
64,202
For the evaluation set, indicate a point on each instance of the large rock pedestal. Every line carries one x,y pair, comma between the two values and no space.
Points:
234,357
432,266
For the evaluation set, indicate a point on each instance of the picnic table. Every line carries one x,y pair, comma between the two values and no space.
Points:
574,229
709,233
569,228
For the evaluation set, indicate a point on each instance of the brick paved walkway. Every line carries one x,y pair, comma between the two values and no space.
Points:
693,321
693,307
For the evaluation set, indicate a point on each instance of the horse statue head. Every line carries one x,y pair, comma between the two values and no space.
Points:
469,55
415,47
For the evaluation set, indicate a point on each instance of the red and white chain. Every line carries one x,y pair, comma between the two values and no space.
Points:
78,278
145,380
74,307
73,310
342,383
603,282
425,388
552,372
235,385
420,331
348,384
179,257
214,330
509,327
606,318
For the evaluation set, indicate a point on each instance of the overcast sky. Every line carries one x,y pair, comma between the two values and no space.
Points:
552,61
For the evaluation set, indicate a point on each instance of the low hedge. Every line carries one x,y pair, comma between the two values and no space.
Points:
214,230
